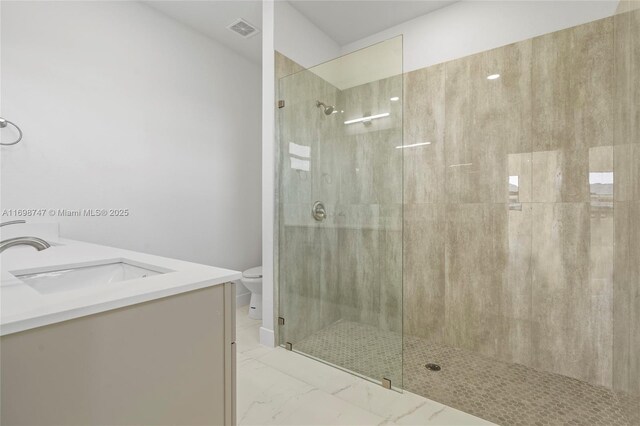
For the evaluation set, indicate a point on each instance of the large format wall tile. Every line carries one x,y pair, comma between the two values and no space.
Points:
512,245
371,171
541,134
424,108
475,274
622,289
485,120
634,296
283,67
622,65
626,293
424,274
561,176
372,99
369,262
627,171
349,266
357,172
570,315
370,163
516,294
601,288
390,314
330,167
359,269
370,200
308,278
634,71
627,112
626,285
300,170
626,334
633,245
309,292
572,88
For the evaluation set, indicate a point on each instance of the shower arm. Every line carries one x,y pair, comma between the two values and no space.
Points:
327,109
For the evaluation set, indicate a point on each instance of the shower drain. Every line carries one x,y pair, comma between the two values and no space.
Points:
433,367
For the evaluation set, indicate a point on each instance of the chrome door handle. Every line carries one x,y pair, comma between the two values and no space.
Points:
318,211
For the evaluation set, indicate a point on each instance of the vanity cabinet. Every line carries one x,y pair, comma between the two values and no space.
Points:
168,361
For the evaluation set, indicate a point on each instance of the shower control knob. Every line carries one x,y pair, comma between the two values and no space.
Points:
318,211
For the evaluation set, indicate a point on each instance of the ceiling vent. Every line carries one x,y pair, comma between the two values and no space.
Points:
242,27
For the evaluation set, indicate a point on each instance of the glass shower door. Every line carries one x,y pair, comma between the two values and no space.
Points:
340,212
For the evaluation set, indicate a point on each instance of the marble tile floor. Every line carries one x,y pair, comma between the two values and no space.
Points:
505,393
279,387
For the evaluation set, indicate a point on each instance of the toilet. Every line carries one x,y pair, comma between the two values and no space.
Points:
252,279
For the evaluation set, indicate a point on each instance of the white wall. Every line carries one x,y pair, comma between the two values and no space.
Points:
299,39
469,27
267,335
123,107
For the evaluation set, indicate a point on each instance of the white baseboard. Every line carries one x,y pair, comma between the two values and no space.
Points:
243,299
267,337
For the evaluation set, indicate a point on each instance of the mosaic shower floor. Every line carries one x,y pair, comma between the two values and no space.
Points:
503,393
360,348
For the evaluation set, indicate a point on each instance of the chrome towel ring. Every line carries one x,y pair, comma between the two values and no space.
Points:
3,124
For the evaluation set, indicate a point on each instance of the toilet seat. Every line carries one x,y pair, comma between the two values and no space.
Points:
253,272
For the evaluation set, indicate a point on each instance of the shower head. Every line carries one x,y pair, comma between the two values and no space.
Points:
328,109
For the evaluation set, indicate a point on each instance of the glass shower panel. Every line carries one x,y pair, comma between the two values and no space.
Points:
340,212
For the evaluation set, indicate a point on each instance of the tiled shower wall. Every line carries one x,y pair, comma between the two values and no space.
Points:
350,265
626,301
308,285
522,217
518,264
370,205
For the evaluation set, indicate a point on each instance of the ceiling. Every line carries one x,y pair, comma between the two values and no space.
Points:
212,18
346,21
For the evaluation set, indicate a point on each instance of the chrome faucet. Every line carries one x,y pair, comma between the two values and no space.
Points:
35,242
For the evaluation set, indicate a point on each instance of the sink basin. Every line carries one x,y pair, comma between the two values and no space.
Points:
69,279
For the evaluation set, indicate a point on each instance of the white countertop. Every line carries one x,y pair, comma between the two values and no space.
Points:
23,308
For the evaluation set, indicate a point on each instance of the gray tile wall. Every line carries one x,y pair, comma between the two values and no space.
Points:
529,271
626,247
308,292
516,243
348,267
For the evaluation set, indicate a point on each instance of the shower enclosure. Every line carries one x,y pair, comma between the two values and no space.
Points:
340,211
480,244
